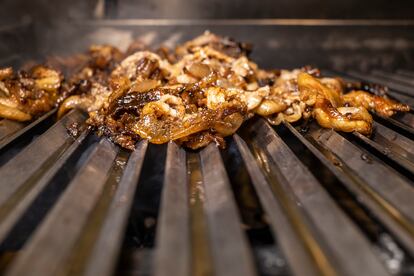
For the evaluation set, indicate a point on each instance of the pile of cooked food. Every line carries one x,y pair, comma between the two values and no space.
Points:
196,94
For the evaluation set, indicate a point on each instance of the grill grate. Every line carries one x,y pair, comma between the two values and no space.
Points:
319,202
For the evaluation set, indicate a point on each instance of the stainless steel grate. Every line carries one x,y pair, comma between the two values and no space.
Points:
318,201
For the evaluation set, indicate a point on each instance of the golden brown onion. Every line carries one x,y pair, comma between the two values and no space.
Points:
311,87
199,70
78,102
269,107
144,85
6,73
357,119
11,113
382,106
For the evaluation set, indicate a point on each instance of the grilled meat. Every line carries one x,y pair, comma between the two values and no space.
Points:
27,95
88,87
200,93
381,105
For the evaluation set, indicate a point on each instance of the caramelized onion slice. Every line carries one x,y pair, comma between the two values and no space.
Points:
6,73
269,107
343,119
199,70
382,106
161,131
229,125
119,85
144,85
12,113
79,102
46,79
311,87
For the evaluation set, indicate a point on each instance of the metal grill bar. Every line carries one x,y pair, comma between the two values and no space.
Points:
333,232
202,261
399,124
10,219
393,77
108,244
392,144
391,191
396,141
396,87
8,127
174,217
19,169
299,259
407,119
409,74
11,130
231,254
57,236
358,188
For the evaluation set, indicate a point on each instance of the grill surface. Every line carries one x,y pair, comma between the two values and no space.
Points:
286,200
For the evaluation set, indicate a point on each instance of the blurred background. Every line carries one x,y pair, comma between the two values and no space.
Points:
322,9
375,34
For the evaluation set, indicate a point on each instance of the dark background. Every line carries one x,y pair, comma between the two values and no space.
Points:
12,10
38,28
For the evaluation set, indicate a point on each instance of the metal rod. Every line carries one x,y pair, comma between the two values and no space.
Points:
5,140
332,238
366,196
106,249
10,218
173,230
298,258
231,253
388,189
31,159
50,246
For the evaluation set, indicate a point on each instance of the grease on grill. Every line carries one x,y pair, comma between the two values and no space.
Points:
74,129
366,158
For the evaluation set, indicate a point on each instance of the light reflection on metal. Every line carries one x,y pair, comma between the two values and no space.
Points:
246,22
